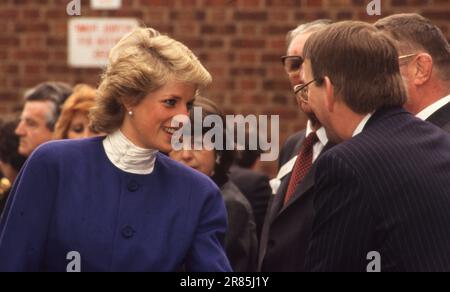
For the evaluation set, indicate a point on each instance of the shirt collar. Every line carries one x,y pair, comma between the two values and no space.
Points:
321,133
432,108
127,156
362,124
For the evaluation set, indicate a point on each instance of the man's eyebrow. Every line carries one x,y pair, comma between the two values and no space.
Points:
28,119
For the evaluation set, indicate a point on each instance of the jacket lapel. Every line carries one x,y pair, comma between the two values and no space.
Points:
279,197
441,116
307,183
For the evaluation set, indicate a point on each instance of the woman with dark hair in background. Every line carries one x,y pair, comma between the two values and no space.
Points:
10,159
241,240
115,203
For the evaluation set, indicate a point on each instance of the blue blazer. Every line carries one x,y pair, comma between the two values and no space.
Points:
70,197
386,190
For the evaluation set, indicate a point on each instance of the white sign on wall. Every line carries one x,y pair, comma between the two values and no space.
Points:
91,39
106,4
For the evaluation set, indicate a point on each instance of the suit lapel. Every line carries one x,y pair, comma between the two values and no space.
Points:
306,184
279,197
302,188
441,117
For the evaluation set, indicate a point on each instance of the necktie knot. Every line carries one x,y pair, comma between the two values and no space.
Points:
310,140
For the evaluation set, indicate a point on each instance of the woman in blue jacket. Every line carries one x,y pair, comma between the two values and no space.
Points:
115,203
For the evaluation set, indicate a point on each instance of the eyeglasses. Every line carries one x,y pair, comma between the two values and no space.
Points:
292,63
406,56
301,90
400,58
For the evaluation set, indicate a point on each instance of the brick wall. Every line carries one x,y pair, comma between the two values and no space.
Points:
239,41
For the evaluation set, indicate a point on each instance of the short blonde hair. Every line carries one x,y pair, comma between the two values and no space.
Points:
81,101
142,62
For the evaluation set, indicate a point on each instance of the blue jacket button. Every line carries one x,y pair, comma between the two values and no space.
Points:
133,186
128,232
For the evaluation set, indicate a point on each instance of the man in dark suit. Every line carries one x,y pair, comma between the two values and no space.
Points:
287,224
382,196
424,64
252,183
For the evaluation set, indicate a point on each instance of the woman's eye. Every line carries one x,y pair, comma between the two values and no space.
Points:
78,129
170,102
190,105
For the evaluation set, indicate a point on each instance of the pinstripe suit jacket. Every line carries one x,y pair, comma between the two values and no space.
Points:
441,118
385,190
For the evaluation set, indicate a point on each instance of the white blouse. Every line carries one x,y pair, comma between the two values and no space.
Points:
127,156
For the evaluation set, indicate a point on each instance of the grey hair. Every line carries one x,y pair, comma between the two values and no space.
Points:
306,28
54,92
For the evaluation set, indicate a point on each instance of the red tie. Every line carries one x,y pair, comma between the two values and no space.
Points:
302,165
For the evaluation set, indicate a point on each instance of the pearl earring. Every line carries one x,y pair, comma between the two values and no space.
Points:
130,113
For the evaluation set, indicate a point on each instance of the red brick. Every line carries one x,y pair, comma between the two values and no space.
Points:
9,41
34,69
247,58
218,3
437,15
188,3
151,3
41,27
247,43
7,96
250,3
250,16
249,99
218,29
9,13
248,71
31,14
315,3
284,3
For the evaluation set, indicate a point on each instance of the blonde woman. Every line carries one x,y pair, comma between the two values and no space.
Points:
73,123
116,203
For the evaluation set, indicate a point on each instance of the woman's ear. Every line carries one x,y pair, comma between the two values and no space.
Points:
423,69
330,98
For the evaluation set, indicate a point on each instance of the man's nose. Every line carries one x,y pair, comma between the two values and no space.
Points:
20,130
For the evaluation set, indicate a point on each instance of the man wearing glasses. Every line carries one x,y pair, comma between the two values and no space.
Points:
424,64
288,220
382,194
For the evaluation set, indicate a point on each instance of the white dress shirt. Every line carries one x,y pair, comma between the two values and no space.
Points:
127,156
288,166
432,108
362,124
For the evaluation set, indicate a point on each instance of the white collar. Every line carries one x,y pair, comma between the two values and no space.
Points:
127,156
432,108
362,124
321,133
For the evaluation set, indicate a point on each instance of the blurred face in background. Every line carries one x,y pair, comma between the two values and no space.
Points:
32,129
201,160
296,72
79,127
